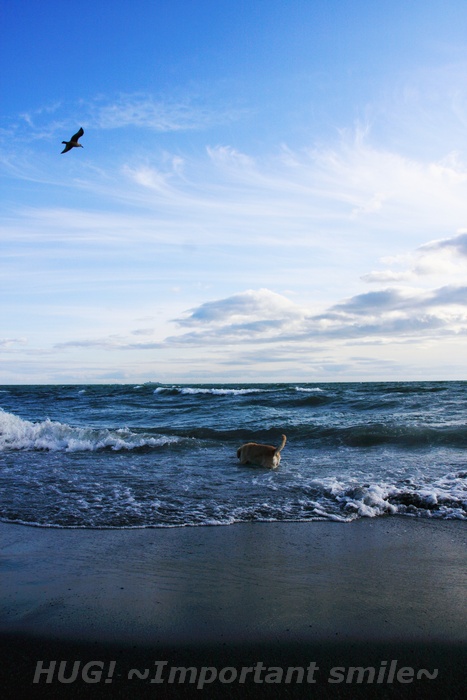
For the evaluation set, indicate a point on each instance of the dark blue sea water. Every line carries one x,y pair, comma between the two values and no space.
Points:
125,456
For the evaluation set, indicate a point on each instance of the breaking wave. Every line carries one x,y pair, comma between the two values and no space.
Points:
18,434
213,391
153,455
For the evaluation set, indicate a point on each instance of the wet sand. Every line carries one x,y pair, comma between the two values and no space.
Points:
384,595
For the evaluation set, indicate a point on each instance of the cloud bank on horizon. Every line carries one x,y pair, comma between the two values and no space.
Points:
305,219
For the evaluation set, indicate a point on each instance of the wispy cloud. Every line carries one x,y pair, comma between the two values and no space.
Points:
159,114
237,229
351,191
11,342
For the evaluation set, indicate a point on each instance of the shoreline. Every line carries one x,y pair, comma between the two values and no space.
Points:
287,594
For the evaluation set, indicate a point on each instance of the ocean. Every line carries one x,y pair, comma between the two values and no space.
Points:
159,456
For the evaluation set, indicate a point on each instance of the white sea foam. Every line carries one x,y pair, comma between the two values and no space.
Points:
444,498
18,434
203,390
309,390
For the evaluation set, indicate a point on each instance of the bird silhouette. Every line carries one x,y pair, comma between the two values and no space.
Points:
73,142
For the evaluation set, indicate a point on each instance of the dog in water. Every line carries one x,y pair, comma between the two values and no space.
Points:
262,455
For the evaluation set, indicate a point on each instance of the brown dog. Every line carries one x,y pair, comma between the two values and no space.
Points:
263,455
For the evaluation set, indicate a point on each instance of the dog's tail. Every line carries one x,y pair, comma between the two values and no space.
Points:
282,445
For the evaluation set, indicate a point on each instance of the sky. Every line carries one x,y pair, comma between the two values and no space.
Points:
268,191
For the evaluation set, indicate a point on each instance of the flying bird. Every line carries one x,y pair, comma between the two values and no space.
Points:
73,142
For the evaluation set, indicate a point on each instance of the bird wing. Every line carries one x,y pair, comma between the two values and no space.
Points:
78,135
67,148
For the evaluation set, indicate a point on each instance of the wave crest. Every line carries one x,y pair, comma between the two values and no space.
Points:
213,391
53,436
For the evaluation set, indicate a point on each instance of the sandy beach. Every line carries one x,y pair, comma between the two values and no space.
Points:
383,596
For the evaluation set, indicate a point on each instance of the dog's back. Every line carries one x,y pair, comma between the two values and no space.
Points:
263,455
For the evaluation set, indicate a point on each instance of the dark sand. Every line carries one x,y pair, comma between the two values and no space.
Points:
364,594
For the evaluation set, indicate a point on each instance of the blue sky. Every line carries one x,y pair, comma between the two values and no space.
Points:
267,191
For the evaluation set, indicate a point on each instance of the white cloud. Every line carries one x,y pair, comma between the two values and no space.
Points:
392,313
445,257
253,305
456,244
262,318
384,276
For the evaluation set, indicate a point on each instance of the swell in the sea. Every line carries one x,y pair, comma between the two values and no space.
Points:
19,434
165,456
